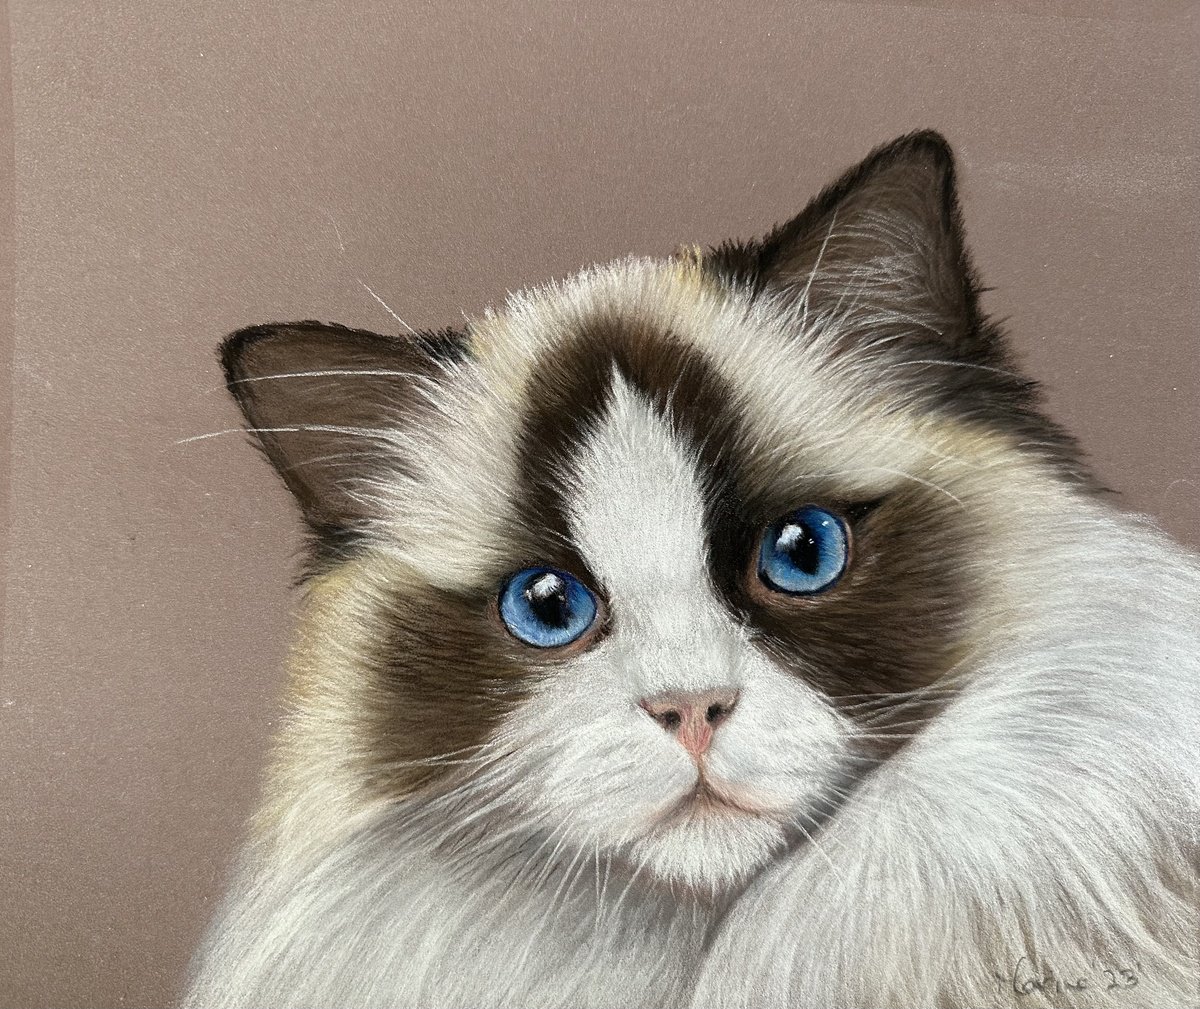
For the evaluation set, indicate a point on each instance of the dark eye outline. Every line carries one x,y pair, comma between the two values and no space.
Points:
760,567
584,633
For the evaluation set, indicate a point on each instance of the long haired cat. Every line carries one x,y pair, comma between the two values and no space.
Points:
726,630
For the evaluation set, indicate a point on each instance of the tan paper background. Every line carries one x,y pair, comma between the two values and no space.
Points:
183,170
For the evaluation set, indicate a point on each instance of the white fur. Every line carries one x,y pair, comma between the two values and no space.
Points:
381,922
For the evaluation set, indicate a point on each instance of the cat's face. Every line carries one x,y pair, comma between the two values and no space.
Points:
656,564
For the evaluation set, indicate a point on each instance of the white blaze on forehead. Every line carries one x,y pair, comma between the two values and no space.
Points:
637,518
637,511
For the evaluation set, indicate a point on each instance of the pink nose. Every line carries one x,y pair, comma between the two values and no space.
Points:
693,717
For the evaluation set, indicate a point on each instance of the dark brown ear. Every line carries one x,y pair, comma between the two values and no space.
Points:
328,405
880,250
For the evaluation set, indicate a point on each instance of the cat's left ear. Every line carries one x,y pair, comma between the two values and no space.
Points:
879,251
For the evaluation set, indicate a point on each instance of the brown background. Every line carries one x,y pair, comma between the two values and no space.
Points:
179,175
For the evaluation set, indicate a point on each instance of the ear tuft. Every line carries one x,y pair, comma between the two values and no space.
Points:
328,405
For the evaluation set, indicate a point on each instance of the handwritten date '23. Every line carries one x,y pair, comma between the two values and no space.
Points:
1026,980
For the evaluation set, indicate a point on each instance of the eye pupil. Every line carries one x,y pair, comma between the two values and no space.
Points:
548,600
801,546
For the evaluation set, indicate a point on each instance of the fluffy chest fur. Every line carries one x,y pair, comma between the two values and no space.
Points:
726,630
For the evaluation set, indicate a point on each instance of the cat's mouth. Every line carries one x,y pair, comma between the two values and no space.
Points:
710,799
713,837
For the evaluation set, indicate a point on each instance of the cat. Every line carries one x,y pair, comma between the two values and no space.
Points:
732,629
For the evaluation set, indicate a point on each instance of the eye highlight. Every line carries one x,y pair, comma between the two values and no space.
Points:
804,552
546,608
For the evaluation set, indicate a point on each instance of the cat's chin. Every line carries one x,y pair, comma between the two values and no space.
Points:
710,850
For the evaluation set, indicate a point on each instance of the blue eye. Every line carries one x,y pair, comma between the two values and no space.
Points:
546,608
804,552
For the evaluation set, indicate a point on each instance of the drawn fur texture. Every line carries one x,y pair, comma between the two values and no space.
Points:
732,629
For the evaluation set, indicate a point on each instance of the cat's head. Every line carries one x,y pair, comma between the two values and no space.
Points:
656,562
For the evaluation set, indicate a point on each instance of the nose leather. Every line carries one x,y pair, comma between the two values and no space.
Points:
692,717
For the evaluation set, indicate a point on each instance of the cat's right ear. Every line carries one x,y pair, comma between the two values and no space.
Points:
328,406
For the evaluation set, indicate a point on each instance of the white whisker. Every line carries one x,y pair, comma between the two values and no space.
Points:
327,372
386,307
